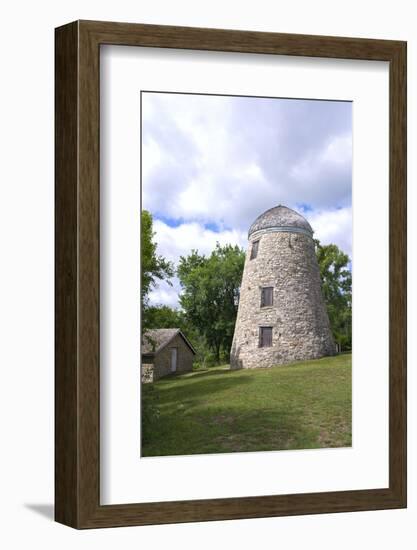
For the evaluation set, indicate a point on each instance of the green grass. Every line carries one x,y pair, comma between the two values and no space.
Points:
300,406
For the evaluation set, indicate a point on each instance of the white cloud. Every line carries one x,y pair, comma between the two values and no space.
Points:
338,151
174,242
222,161
334,227
165,294
335,157
226,160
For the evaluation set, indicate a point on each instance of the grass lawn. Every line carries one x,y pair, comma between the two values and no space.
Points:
305,405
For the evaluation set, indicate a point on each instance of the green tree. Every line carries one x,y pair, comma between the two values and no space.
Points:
154,267
165,317
210,294
336,282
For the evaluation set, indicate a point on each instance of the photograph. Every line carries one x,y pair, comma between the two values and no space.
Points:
246,274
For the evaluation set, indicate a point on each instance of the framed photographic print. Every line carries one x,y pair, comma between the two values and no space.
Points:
230,274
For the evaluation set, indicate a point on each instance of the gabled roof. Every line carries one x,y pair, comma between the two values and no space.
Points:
155,340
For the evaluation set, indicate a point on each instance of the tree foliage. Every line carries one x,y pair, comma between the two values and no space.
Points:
154,266
336,281
165,317
210,294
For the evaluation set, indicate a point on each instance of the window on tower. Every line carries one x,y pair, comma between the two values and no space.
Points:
265,337
267,296
254,250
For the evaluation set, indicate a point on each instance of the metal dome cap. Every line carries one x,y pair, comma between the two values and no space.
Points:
280,218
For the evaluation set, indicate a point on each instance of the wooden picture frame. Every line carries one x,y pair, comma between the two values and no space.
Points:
77,374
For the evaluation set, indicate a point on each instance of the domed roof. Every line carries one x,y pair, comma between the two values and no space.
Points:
281,218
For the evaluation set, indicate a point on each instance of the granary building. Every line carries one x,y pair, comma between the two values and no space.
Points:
165,351
281,316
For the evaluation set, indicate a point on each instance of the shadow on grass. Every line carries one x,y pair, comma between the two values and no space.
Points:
194,389
230,431
212,371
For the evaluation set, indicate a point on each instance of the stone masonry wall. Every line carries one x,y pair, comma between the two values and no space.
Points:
298,317
162,361
147,373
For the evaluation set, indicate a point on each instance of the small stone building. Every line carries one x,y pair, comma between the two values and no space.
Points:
282,316
168,350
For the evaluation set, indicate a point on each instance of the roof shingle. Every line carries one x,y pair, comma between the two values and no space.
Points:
280,217
155,339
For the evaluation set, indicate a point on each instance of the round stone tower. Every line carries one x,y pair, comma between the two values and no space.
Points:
281,315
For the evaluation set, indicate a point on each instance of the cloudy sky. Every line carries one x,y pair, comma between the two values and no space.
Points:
212,164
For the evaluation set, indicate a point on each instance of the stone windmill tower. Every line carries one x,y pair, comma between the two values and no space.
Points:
281,316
